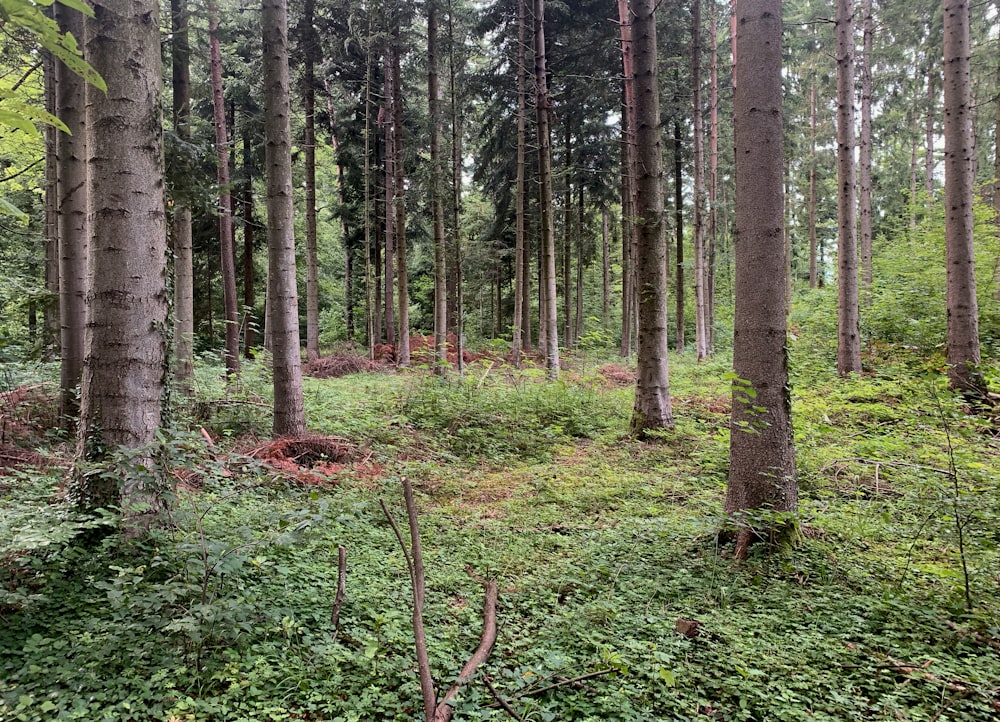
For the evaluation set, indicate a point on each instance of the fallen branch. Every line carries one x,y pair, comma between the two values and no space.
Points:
338,601
501,701
565,682
443,711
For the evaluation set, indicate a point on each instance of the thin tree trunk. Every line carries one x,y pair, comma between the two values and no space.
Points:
698,216
309,43
929,133
913,186
543,110
437,209
848,335
679,229
761,455
814,271
456,180
226,247
578,330
629,171
605,268
519,220
713,180
289,417
399,203
567,242
124,378
249,292
182,240
73,227
865,158
51,344
959,154
652,392
389,272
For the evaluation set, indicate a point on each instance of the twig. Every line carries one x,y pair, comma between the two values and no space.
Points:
419,636
338,601
485,374
444,711
501,701
565,682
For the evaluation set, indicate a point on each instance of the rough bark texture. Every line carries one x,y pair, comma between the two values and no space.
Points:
713,179
309,42
679,325
628,178
543,111
698,215
761,457
399,202
865,153
930,114
124,371
183,351
389,270
289,418
959,160
73,227
227,252
848,334
249,226
814,277
652,393
456,183
437,208
50,346
519,219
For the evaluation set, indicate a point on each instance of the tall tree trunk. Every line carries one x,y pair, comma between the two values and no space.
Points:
389,272
567,242
578,330
51,345
913,186
959,158
519,219
996,185
713,179
289,417
74,231
679,230
629,171
848,335
309,48
399,202
123,377
652,392
814,270
698,216
182,240
605,268
437,208
865,157
226,247
543,107
456,182
761,455
249,294
929,131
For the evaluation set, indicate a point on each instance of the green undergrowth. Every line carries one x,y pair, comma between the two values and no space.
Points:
600,544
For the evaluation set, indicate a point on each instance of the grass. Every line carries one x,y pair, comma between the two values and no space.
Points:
600,545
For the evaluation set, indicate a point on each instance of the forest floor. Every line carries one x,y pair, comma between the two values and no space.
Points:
617,600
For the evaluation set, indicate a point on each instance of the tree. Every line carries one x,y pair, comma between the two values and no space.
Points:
849,334
283,319
698,216
652,392
72,221
182,240
308,46
226,245
520,221
865,151
959,154
761,455
543,111
123,377
437,207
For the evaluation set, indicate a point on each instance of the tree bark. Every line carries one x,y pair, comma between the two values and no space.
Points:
959,156
698,216
519,191
605,268
389,272
848,334
309,47
73,227
182,238
437,208
456,182
51,344
399,201
226,246
713,180
814,270
249,295
628,178
929,132
543,107
761,456
289,417
679,330
567,241
124,375
652,393
865,153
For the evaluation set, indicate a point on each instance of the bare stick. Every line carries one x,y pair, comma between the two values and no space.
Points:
487,640
565,682
501,701
338,601
417,579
